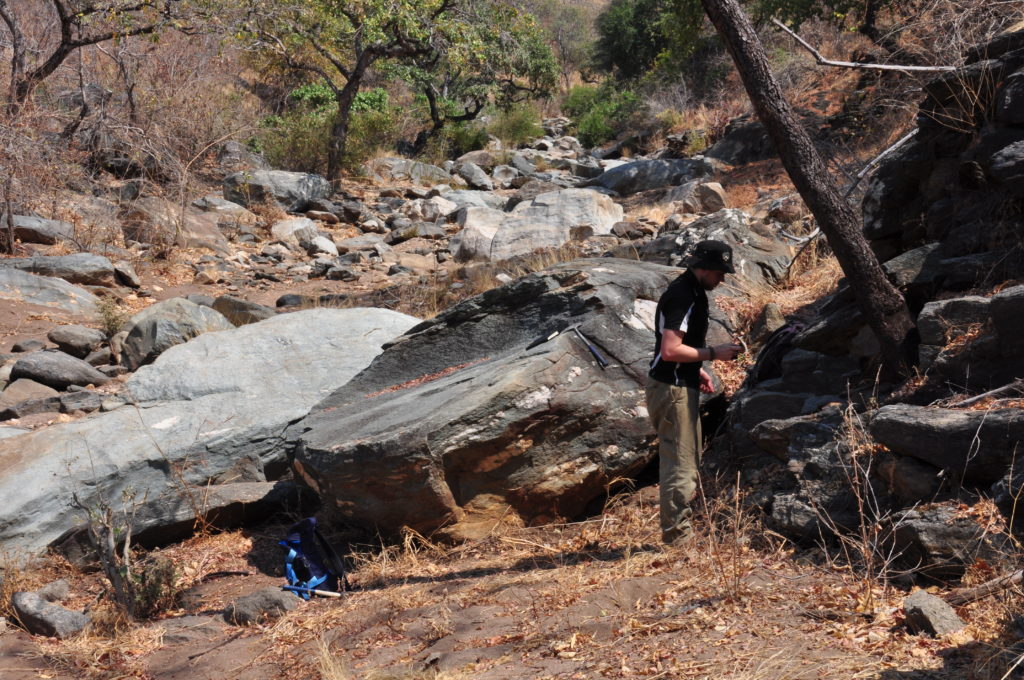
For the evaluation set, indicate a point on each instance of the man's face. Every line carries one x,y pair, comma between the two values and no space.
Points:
709,278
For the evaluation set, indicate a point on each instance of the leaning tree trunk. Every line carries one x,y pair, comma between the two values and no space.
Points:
882,305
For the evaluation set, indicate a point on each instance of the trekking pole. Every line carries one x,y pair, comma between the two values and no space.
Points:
311,591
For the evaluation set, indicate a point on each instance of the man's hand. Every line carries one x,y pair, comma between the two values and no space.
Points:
706,384
727,351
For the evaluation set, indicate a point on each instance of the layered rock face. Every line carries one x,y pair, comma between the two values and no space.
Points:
457,425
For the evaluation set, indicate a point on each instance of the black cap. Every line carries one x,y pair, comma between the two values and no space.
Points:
713,255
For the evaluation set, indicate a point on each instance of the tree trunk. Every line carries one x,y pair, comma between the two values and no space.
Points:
882,305
339,128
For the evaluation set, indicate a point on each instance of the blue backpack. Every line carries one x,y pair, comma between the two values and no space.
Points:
311,563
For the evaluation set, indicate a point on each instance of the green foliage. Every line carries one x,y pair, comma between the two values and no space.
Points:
580,99
516,125
375,100
630,37
154,588
370,131
297,140
313,95
609,115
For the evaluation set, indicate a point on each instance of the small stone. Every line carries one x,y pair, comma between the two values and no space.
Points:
57,591
263,605
44,618
28,346
928,613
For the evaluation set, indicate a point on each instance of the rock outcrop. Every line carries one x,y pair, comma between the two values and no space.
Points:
210,411
456,425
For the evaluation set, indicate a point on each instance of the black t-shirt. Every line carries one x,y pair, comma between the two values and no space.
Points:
683,307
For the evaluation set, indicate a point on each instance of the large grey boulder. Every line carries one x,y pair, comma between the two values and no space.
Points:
973,446
41,617
474,176
643,175
572,209
80,268
158,221
39,230
57,370
204,412
760,259
294,191
387,170
550,220
482,199
940,541
165,324
457,424
46,291
294,230
76,340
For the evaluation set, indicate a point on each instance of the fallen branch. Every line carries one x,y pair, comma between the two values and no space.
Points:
860,64
1017,385
961,596
877,159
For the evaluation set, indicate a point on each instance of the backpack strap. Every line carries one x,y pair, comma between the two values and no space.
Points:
334,562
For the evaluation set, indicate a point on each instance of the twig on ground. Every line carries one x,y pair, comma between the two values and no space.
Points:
961,596
1017,384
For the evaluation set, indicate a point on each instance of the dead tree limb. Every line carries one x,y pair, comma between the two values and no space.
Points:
860,64
962,596
878,159
1017,384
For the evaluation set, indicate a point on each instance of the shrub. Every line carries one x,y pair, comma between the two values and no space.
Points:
601,113
516,125
298,140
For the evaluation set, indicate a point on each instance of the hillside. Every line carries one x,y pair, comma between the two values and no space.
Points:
204,339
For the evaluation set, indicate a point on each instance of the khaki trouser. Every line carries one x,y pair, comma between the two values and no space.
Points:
673,411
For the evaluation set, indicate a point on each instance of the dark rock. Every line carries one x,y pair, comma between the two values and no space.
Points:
259,607
804,371
39,230
165,324
942,321
31,345
80,268
44,618
458,424
78,341
86,402
930,614
240,312
57,370
939,542
294,191
341,274
1008,320
744,141
975,446
46,291
644,175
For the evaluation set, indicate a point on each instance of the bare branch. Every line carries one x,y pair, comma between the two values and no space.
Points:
877,159
858,64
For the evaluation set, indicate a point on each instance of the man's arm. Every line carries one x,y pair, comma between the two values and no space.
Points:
673,349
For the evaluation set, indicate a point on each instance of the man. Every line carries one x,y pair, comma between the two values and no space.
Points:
676,378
